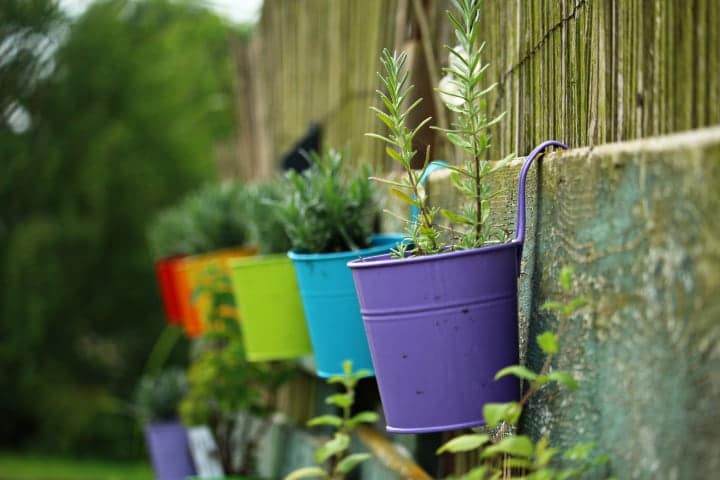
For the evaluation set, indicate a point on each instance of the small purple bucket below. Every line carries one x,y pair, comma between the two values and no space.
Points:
169,450
440,327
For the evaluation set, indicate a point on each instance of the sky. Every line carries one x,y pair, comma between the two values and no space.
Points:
240,11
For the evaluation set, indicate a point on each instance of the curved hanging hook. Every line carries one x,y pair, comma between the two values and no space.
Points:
520,221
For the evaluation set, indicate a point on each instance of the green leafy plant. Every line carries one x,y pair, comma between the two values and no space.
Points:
222,383
518,456
157,397
174,233
267,229
212,218
332,457
328,208
465,94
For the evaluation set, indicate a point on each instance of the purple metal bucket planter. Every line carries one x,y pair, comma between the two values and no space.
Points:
439,327
169,450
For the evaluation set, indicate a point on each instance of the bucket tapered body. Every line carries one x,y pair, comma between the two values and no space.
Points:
331,306
169,450
268,301
439,328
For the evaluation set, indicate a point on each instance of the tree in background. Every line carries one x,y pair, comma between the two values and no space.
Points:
121,111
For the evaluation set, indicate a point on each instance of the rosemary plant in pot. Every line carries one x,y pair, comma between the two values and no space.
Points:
329,214
265,286
441,317
156,402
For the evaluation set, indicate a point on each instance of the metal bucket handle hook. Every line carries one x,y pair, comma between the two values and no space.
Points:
520,222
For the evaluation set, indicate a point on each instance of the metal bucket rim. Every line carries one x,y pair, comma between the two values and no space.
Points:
381,243
382,261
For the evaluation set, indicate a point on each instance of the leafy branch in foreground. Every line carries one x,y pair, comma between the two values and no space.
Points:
332,457
517,456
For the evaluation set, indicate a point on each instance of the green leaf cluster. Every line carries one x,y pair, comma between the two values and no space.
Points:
221,381
518,455
265,223
212,218
157,397
328,208
332,457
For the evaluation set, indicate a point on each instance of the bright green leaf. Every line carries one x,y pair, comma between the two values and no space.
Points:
518,371
339,443
517,445
364,417
342,400
307,472
494,413
351,461
464,443
548,342
332,420
566,378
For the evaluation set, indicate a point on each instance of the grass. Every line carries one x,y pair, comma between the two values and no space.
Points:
35,467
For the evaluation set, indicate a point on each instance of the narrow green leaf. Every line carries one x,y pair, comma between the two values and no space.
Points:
339,443
390,182
362,373
332,420
463,443
350,462
548,342
454,217
380,137
364,417
404,196
494,413
307,472
566,378
342,400
518,371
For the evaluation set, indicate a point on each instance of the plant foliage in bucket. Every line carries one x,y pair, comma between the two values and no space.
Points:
157,400
265,286
437,342
329,213
213,227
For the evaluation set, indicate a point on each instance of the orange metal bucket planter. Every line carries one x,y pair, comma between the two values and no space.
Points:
195,314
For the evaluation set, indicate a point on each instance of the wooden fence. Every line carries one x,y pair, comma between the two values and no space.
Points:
636,217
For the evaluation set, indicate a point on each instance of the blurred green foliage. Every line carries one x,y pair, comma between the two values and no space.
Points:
105,120
267,230
212,218
157,397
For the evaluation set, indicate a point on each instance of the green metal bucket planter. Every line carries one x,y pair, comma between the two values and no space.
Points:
268,299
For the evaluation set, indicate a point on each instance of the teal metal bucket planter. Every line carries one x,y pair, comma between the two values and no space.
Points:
331,306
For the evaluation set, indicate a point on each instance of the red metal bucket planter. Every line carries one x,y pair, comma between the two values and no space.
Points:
439,327
166,272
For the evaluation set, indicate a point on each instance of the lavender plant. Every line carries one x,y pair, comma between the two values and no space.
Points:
465,94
